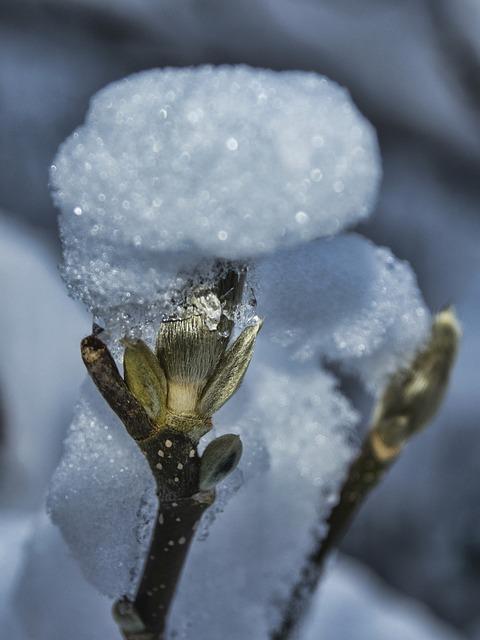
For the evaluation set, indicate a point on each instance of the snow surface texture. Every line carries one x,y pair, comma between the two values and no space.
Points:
230,162
416,84
103,496
345,300
296,429
39,333
49,597
352,603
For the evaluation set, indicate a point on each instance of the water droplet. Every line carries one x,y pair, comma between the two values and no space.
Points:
222,235
316,175
301,217
78,211
232,144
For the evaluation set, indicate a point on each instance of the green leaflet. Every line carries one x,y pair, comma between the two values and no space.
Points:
145,378
229,373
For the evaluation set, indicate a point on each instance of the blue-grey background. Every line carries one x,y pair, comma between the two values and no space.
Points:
413,68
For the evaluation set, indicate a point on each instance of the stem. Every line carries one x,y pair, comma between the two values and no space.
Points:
409,401
364,474
171,540
104,372
175,464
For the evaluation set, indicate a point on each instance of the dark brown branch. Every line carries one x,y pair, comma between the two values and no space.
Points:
104,372
175,464
174,531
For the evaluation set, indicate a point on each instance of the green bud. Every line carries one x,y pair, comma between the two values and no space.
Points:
414,394
219,459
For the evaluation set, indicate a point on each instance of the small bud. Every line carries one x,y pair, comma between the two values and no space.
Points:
413,395
145,378
127,618
219,459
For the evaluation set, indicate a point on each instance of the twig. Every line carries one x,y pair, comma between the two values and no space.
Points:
410,400
176,466
364,474
166,401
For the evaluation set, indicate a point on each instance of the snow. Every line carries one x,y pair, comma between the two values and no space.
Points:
345,300
352,598
173,165
50,64
429,215
50,599
40,330
102,496
14,530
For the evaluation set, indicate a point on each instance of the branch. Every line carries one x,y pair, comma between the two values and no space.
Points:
409,402
176,467
104,372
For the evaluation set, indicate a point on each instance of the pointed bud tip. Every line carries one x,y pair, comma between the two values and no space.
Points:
447,321
130,342
91,348
258,324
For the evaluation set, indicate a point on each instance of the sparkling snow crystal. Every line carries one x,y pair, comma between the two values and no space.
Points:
229,162
173,170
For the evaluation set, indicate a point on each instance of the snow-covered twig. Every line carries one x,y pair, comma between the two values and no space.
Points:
166,401
409,402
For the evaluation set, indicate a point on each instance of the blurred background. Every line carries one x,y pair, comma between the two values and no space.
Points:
413,69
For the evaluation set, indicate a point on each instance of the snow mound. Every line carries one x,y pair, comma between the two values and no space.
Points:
343,299
103,497
176,164
296,429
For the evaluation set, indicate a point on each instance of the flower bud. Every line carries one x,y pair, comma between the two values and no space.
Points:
219,459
